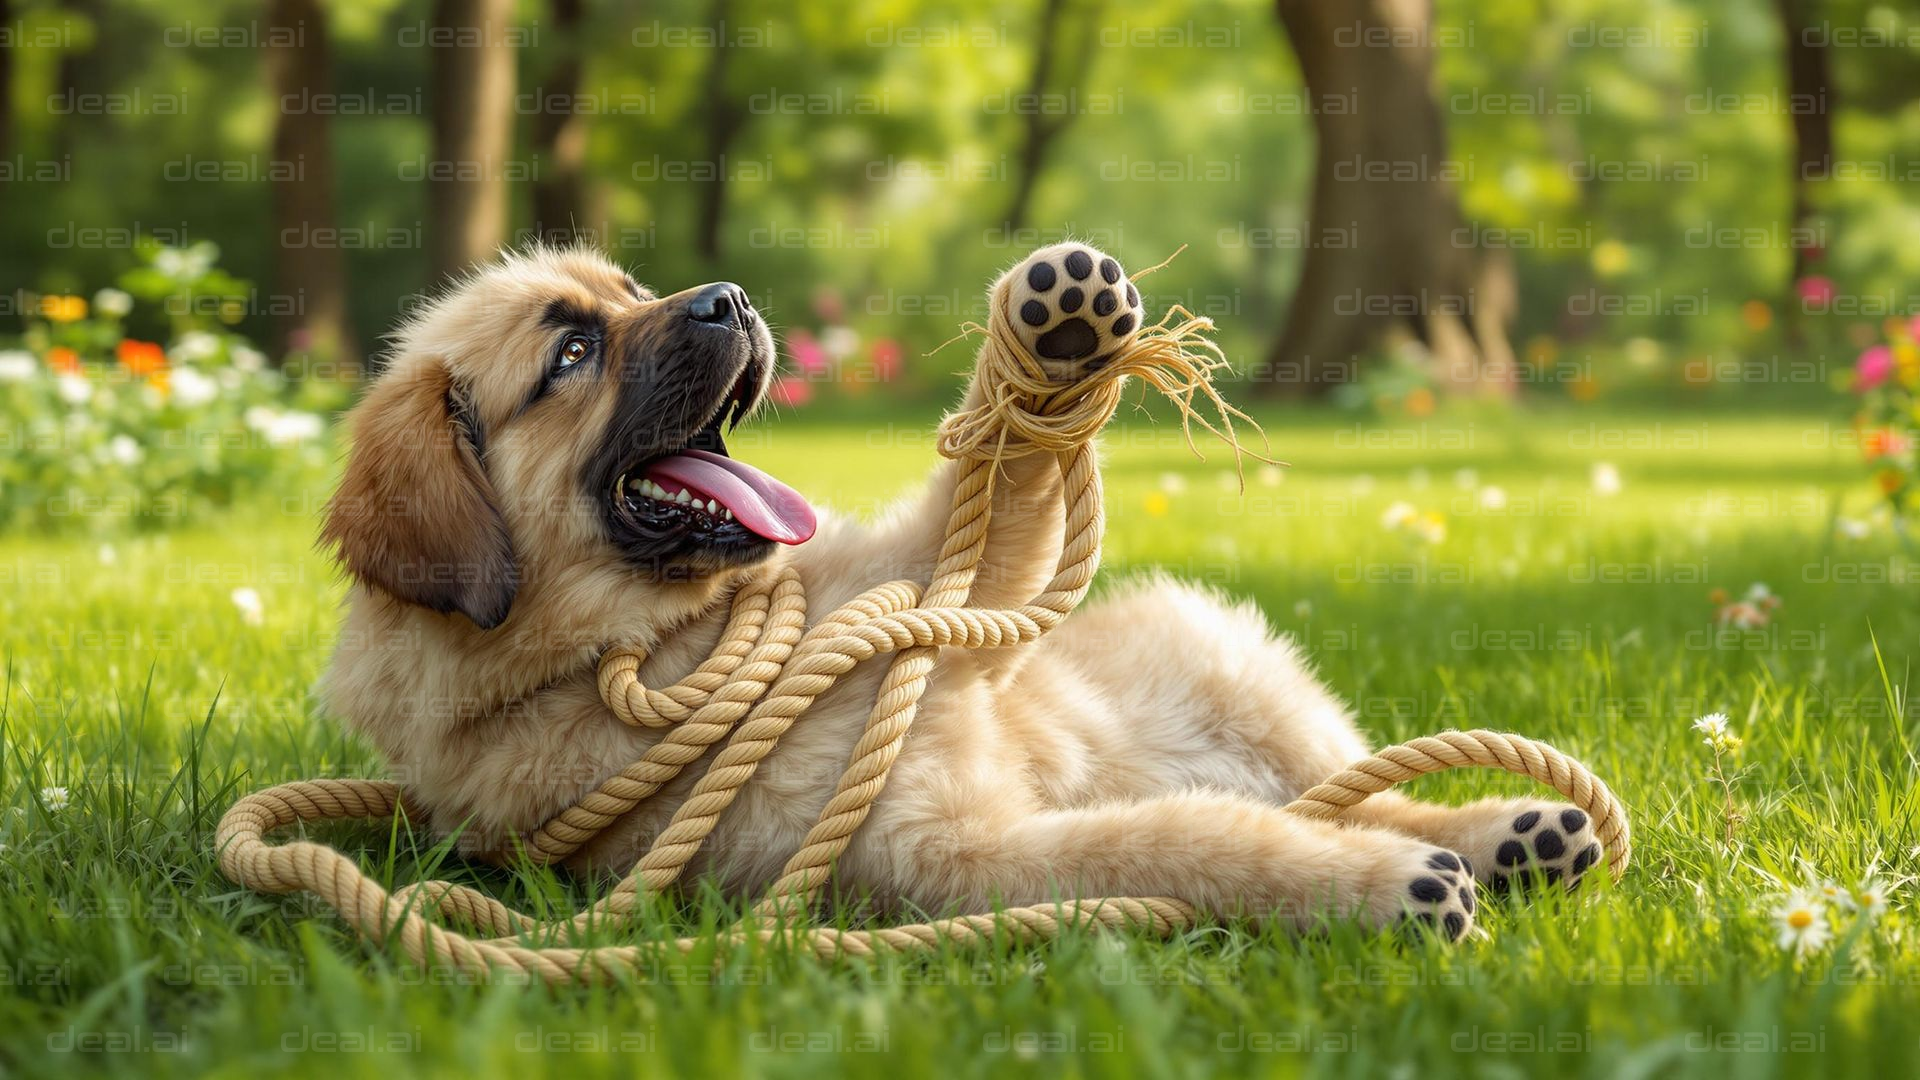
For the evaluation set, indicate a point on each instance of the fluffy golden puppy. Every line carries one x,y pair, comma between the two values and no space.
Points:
541,473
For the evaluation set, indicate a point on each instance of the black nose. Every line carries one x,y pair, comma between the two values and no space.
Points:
720,302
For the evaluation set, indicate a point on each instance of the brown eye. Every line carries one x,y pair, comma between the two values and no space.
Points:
573,350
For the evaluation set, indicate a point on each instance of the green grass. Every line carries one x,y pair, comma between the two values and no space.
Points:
1580,619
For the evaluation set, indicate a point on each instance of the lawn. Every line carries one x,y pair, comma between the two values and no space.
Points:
1554,605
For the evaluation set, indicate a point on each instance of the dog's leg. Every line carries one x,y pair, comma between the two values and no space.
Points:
1507,840
1226,854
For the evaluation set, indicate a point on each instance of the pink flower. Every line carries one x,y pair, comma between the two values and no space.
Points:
806,352
792,391
886,359
1873,368
1815,290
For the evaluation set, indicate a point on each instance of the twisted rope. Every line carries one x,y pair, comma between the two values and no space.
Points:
768,669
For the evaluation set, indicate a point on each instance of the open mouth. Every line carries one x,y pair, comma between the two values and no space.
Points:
701,495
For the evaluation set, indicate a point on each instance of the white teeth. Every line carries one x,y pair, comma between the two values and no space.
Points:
728,514
683,498
713,506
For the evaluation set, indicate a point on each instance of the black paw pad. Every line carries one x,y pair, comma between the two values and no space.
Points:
1572,821
1428,890
1511,853
1071,340
1040,277
1444,860
1071,300
1549,844
1104,303
1034,313
1456,925
1079,265
1123,326
1525,822
1587,857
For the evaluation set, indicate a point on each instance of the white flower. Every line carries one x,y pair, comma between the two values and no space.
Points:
1758,592
1853,529
1398,514
246,357
1303,609
839,342
192,389
1173,483
1712,725
124,450
291,428
248,601
17,366
74,389
1493,497
259,417
1431,527
112,303
55,798
1801,920
108,556
1871,897
1271,475
1606,478
194,345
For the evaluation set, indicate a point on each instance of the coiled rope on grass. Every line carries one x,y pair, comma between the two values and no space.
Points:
767,670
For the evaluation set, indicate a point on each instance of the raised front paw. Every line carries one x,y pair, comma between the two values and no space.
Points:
1072,308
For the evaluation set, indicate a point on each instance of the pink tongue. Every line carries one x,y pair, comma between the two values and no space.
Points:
758,501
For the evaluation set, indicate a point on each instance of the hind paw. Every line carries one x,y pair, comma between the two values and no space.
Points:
1072,308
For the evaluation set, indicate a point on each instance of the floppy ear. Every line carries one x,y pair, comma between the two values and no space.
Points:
415,515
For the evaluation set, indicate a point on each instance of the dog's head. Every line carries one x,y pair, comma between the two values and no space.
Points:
550,413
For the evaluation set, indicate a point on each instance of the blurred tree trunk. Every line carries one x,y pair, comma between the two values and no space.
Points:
1041,128
473,84
723,118
1809,96
1387,253
310,278
560,135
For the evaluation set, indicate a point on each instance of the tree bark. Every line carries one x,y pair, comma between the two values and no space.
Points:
1810,103
560,135
310,278
1042,129
1387,252
473,85
723,118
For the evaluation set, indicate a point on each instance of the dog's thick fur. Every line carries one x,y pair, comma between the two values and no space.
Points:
1143,748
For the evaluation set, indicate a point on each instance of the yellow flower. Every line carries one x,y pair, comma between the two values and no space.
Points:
63,308
1757,315
1157,504
1610,257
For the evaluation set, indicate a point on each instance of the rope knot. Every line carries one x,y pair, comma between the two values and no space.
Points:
1052,391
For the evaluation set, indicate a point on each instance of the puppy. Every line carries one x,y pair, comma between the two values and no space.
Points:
541,472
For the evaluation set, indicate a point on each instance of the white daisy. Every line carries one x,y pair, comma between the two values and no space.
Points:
112,303
1398,514
1801,922
1714,723
54,798
1870,899
247,599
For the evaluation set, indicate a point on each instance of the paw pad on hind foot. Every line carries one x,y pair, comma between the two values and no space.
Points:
1441,895
1072,307
1544,845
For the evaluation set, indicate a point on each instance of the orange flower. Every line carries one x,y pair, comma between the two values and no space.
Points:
141,357
1420,402
63,360
1880,442
63,308
1757,315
